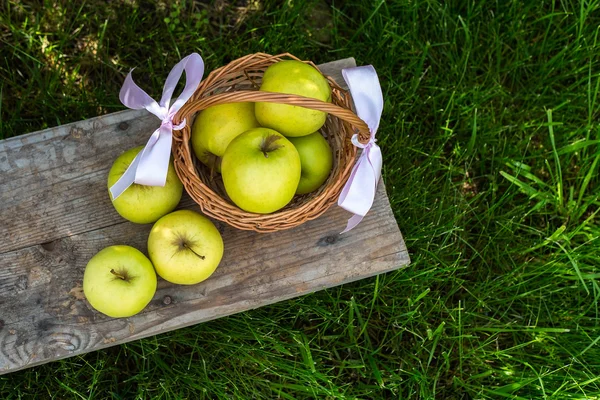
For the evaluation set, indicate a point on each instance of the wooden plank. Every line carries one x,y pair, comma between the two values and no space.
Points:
58,216
45,316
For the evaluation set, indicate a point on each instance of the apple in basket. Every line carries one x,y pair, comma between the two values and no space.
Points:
144,204
316,160
261,170
119,281
185,247
293,77
215,127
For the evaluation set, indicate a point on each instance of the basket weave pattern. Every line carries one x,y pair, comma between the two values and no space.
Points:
239,81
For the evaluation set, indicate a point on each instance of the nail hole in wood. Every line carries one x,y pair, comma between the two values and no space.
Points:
167,300
123,126
328,240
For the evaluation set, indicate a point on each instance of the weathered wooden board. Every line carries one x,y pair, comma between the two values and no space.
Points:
55,215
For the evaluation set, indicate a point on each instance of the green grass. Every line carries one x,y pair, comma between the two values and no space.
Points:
491,149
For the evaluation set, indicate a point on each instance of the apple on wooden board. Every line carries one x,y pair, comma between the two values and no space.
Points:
316,160
185,247
293,77
261,170
119,281
140,203
215,127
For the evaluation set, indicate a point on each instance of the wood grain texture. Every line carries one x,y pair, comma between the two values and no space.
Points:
56,215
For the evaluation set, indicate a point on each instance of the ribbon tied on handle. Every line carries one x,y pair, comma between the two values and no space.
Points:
359,192
151,165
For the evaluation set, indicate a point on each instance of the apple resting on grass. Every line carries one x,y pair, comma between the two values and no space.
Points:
316,160
261,170
144,204
293,77
215,127
185,247
119,281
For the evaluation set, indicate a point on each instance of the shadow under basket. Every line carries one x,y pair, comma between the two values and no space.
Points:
239,81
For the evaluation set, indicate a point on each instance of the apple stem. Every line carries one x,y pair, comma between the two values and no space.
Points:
254,84
268,144
213,162
192,250
118,275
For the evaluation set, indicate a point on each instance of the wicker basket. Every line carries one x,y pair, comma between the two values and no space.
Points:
239,82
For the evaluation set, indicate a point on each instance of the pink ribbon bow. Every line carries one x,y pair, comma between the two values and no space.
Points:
359,192
151,165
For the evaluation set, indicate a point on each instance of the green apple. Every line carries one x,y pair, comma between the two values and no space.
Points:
119,281
261,170
215,127
144,204
316,160
293,77
185,247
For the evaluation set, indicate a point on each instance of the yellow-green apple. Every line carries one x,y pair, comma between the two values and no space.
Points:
215,127
293,77
185,247
119,281
316,160
144,204
261,170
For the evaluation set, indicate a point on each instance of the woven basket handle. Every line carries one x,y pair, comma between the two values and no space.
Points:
239,96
